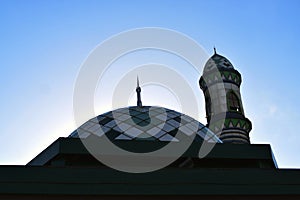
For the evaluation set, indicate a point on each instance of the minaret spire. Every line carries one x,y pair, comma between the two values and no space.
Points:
138,93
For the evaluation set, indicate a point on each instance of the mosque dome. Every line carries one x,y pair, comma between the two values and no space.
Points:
217,62
219,69
146,123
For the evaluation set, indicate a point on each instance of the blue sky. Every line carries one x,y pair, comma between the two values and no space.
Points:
44,43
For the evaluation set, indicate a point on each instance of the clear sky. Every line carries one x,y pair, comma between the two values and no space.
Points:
44,43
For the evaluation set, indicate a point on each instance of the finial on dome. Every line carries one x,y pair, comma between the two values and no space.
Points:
215,50
138,93
137,82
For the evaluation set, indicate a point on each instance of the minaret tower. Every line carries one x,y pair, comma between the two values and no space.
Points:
138,93
220,84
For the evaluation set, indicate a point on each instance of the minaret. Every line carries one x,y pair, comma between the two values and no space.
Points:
138,93
220,84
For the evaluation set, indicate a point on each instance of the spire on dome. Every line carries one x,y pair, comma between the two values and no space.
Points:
138,92
215,50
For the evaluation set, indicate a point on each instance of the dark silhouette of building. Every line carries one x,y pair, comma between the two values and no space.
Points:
234,169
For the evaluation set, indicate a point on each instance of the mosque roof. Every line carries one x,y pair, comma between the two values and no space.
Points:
217,61
149,123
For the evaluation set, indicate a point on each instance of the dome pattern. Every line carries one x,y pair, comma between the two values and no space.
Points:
219,69
144,123
217,61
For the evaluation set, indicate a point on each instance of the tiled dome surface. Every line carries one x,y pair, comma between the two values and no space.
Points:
144,123
217,61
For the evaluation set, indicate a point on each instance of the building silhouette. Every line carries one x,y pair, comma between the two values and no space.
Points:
233,169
